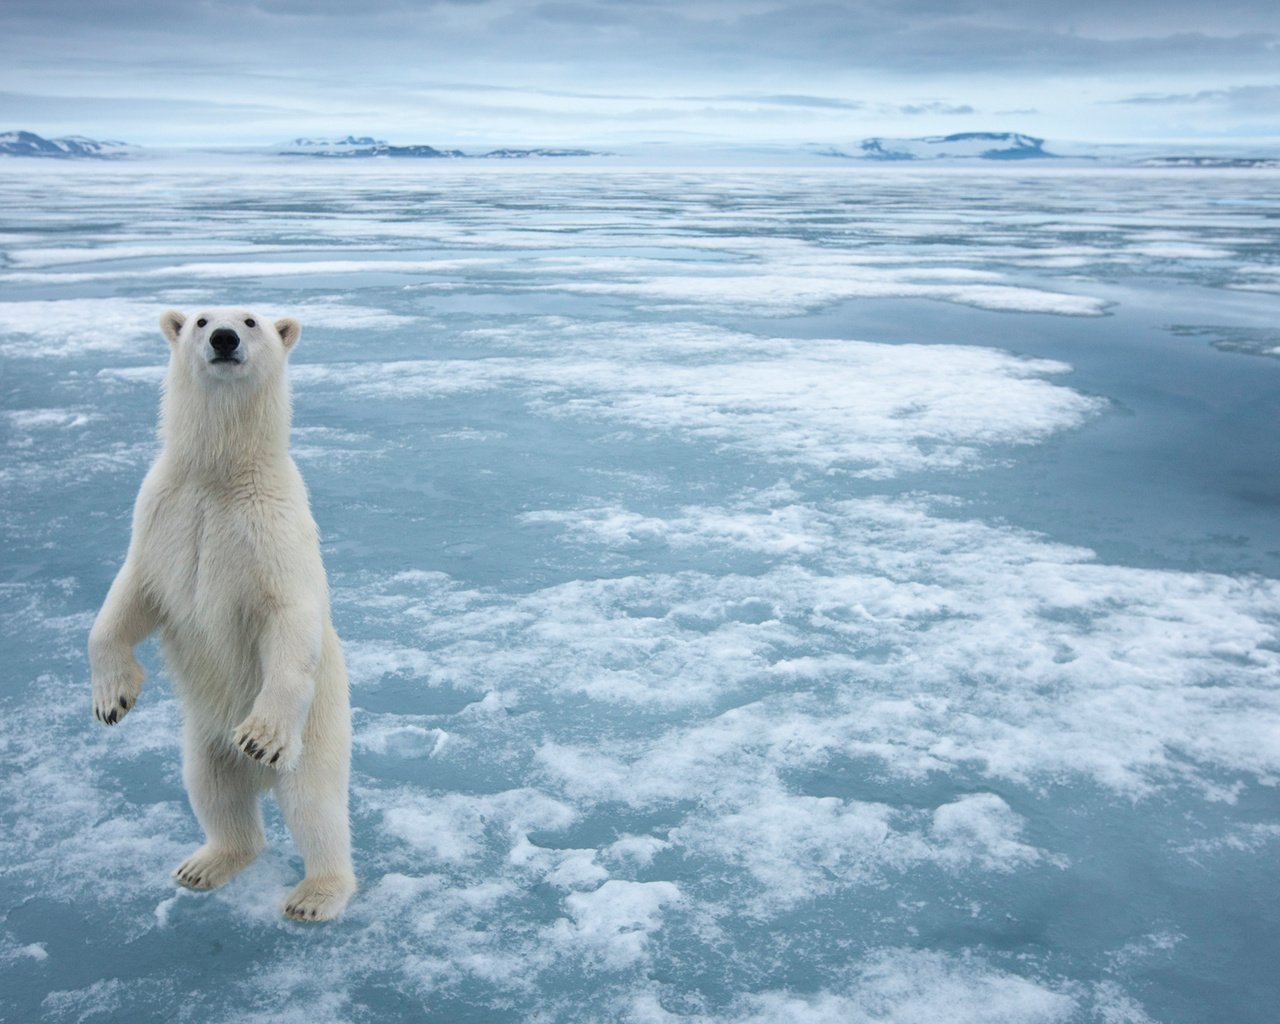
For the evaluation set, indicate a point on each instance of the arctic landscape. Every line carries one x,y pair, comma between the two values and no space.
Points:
775,594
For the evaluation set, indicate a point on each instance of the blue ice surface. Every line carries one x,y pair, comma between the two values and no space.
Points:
803,595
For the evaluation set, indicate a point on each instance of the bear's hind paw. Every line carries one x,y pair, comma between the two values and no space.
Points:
210,867
319,899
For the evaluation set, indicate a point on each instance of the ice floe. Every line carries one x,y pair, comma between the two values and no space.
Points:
768,728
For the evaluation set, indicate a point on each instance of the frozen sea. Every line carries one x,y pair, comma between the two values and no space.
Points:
788,595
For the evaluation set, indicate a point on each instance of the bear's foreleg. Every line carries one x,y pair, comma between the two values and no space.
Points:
289,649
126,619
224,793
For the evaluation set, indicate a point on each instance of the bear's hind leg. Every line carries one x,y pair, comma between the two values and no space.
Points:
315,809
224,792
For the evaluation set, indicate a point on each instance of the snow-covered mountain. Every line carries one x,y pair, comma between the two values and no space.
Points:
21,143
520,154
964,145
1211,161
361,146
350,146
367,146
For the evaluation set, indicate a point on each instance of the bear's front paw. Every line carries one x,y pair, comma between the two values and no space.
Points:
265,740
115,693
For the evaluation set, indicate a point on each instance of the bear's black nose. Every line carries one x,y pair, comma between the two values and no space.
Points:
224,341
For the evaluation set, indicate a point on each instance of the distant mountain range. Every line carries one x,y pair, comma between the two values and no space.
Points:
1013,146
365,146
964,145
72,147
517,154
362,146
1211,161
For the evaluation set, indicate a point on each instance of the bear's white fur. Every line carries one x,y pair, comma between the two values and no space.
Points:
224,562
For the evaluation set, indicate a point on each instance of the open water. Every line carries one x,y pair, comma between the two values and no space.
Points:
795,595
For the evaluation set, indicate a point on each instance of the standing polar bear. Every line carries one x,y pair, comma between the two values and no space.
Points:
224,561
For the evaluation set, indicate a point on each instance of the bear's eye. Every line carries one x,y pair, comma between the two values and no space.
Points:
201,322
251,323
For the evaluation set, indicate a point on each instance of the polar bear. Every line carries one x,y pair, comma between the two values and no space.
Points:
224,561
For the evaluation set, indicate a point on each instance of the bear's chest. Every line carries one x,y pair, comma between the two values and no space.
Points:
205,555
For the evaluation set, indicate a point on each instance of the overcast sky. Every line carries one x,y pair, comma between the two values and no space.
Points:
618,72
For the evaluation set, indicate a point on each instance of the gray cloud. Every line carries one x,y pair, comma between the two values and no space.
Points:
914,109
427,63
782,100
18,107
667,35
148,119
581,14
1241,99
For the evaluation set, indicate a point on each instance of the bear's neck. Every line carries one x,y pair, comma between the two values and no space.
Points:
224,433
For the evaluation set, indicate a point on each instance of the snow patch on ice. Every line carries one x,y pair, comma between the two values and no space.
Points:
613,923
451,826
231,270
33,420
796,848
930,644
40,328
44,328
31,951
806,287
875,409
896,986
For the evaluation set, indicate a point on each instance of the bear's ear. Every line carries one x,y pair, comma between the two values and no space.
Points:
289,329
171,323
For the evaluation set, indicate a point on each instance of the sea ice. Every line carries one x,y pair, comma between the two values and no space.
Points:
690,682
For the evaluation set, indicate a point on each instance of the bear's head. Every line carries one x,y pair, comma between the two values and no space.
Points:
229,345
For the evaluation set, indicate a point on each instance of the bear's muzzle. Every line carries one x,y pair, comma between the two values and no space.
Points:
224,342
